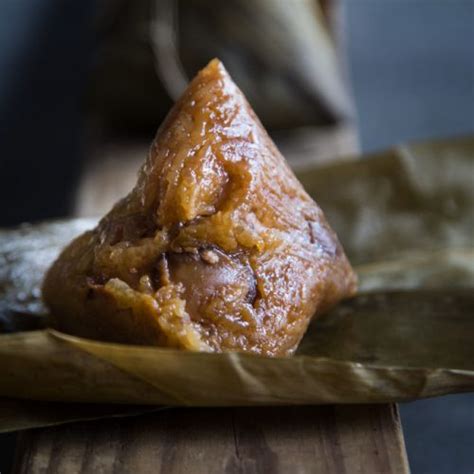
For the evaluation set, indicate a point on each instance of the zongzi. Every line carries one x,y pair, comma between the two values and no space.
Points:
217,248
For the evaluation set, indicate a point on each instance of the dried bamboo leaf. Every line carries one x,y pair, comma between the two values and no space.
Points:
148,48
412,197
422,347
25,255
406,219
422,269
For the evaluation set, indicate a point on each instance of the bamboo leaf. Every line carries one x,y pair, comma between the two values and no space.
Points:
405,218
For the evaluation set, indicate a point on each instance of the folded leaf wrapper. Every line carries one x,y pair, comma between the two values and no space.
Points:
405,218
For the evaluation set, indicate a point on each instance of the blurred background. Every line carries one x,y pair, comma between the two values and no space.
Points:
84,86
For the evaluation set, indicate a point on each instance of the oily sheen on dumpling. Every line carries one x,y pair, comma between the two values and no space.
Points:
217,248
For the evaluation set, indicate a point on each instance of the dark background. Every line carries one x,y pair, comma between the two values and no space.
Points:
411,64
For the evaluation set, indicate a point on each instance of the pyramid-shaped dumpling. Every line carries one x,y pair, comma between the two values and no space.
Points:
217,248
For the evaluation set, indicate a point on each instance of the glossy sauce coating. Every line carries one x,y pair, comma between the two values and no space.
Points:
217,248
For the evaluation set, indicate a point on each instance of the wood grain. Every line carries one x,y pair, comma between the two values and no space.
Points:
329,439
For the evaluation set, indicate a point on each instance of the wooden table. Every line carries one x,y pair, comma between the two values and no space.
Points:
361,439
325,439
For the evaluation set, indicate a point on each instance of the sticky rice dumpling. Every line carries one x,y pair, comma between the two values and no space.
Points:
217,248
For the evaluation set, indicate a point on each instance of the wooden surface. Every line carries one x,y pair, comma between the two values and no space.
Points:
330,439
